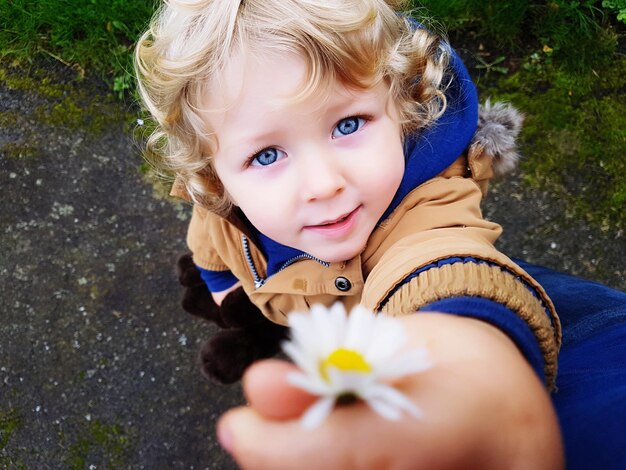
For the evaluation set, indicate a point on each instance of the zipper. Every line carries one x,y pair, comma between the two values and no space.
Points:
303,256
258,280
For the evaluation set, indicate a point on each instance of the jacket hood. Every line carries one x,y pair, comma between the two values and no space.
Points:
432,150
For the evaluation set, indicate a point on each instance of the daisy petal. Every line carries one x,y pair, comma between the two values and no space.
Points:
336,325
392,397
351,354
361,329
410,362
390,337
346,382
299,357
386,410
300,331
317,413
308,383
321,328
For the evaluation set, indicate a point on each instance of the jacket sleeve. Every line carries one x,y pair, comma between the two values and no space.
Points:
200,234
444,249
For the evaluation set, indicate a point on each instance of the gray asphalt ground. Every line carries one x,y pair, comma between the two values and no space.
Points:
97,361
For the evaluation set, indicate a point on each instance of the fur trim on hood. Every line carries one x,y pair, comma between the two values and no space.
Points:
499,124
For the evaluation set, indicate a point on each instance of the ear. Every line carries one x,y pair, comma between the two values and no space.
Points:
498,128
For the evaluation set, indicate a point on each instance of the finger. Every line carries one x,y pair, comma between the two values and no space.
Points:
352,437
259,444
268,392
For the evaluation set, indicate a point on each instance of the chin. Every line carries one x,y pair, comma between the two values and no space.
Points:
339,256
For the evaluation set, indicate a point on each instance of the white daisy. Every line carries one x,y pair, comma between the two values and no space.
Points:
351,356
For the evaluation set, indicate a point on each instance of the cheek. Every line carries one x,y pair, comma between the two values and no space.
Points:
242,190
385,173
270,220
263,204
261,210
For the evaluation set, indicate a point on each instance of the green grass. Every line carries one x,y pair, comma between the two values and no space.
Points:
92,36
581,34
558,61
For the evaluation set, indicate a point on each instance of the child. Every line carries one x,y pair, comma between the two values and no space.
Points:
327,148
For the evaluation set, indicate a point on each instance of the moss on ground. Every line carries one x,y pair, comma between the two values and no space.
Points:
574,137
100,442
10,422
60,104
37,82
13,150
78,111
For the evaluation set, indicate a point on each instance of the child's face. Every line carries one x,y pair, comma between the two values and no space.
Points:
315,175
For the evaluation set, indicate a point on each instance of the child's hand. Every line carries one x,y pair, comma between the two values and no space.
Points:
483,407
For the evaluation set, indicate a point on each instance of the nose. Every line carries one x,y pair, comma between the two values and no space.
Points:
321,176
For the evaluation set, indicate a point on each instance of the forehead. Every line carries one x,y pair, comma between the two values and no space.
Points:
256,94
250,82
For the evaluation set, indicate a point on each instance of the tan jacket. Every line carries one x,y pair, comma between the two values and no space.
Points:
439,219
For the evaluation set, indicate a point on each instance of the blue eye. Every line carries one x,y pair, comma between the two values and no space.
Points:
267,157
348,126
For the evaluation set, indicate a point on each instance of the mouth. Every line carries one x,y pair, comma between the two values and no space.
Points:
338,220
336,227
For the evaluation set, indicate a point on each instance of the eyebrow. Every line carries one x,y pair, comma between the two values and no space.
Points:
333,104
355,97
253,139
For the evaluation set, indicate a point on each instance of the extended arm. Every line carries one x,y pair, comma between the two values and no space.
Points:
484,408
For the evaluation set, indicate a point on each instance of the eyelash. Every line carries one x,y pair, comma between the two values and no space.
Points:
367,118
254,154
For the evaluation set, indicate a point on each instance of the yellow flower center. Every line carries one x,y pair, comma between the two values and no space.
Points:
345,360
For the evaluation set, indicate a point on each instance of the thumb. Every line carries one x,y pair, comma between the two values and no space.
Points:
352,437
260,444
269,394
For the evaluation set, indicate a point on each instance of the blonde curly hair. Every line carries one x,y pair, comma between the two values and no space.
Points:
357,42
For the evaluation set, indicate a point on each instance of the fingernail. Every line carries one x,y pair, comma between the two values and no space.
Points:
225,438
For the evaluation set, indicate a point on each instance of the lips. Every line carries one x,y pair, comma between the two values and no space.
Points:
339,227
335,221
